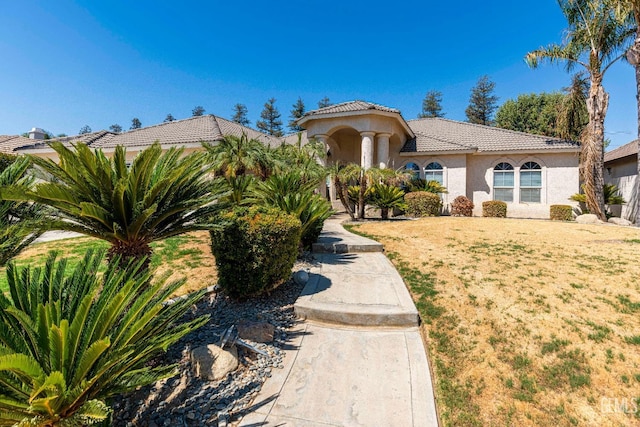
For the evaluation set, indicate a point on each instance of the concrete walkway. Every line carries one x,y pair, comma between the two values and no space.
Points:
358,358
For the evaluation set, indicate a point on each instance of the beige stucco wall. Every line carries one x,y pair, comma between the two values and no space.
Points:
624,175
560,179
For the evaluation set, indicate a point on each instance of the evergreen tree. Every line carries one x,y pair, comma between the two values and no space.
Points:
169,118
115,128
84,129
135,123
296,113
432,105
240,115
270,122
482,102
324,102
531,113
197,111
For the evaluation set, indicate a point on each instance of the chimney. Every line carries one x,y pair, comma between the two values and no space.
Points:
36,133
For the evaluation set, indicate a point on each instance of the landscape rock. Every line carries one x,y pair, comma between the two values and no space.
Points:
212,362
256,331
620,221
588,219
301,277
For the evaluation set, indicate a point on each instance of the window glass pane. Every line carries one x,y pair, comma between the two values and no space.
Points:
434,176
433,166
503,179
504,194
530,179
530,195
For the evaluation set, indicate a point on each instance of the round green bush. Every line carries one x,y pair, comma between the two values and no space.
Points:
255,249
494,209
561,213
423,203
462,206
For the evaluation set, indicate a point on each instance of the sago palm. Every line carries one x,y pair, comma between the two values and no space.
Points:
595,40
69,341
385,197
20,222
162,194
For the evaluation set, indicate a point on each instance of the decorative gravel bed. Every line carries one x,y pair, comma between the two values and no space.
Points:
184,400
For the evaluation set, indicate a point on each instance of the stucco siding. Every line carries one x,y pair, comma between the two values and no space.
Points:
559,175
623,174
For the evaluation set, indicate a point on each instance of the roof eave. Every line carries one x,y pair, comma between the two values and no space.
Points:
529,151
435,152
301,121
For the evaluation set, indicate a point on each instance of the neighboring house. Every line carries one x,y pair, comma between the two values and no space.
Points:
529,172
621,169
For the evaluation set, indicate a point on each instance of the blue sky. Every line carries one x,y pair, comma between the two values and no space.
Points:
64,63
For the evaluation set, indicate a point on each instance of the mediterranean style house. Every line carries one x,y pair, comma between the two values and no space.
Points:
528,172
621,170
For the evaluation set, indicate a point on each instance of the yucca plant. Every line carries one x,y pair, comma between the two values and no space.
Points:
292,194
386,197
70,341
20,222
162,194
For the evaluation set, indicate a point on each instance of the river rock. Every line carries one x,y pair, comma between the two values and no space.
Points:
213,363
256,331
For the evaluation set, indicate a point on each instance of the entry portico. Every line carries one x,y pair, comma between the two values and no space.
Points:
358,132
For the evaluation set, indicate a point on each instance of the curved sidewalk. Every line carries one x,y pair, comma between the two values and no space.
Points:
357,358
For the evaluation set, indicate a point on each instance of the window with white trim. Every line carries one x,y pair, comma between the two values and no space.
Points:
413,169
530,182
434,172
503,182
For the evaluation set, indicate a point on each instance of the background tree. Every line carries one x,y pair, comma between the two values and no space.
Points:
595,40
531,113
84,130
240,115
431,105
197,111
169,118
324,102
135,123
115,128
296,113
270,122
482,103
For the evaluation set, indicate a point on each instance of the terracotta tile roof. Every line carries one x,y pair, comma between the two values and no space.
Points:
350,106
437,135
630,149
86,138
11,143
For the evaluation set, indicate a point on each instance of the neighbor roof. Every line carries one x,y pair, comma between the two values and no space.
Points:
351,106
10,143
443,135
630,149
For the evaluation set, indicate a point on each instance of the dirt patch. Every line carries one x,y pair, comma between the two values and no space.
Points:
532,322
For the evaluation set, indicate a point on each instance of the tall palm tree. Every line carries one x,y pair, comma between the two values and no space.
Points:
628,12
162,194
573,116
594,41
235,155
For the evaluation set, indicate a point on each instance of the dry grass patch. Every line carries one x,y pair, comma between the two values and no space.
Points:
188,255
528,323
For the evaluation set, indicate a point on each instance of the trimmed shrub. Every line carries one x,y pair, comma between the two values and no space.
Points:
423,203
561,212
494,209
462,206
255,249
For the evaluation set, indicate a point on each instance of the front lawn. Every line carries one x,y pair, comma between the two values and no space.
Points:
528,323
188,255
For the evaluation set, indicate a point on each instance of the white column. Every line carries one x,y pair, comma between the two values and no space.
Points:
324,162
366,150
382,149
323,139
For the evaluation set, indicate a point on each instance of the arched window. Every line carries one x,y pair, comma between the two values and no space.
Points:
414,169
503,182
530,182
434,172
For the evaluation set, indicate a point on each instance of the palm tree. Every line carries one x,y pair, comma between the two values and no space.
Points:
628,12
595,41
573,116
235,155
20,222
385,197
162,194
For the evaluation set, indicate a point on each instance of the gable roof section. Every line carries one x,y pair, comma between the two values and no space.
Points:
444,135
351,106
10,143
627,150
